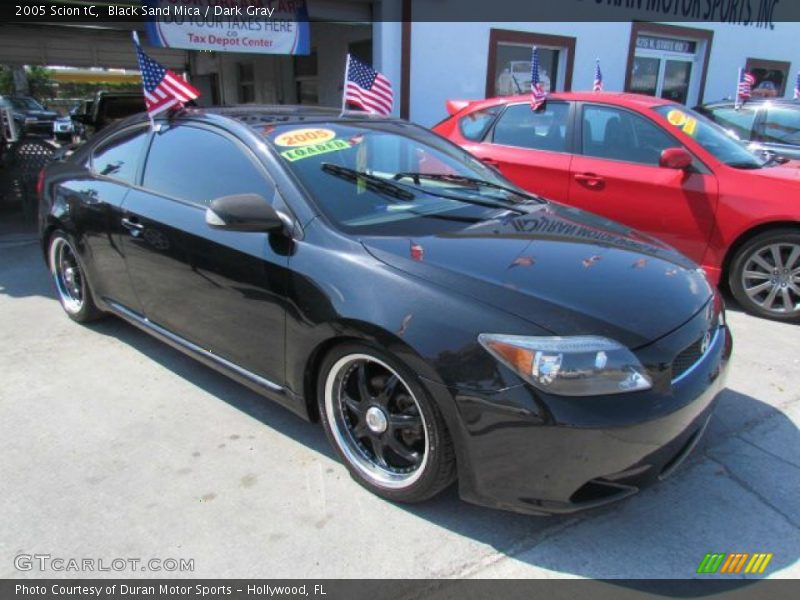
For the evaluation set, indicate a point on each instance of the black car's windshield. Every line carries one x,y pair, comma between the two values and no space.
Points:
386,177
724,145
23,103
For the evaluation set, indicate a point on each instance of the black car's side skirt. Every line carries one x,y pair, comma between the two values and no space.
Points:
259,384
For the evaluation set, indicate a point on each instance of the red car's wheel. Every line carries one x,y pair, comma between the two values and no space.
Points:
765,275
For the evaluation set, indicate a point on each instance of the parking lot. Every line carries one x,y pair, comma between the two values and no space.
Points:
115,445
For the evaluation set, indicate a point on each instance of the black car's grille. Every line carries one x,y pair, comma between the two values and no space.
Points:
684,361
690,355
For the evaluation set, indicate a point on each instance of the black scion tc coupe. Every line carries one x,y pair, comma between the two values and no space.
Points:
440,322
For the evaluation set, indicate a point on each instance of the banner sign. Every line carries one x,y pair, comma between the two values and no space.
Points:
255,26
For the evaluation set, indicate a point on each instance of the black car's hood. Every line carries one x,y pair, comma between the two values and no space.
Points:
563,269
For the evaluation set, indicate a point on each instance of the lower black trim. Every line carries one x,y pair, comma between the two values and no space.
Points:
255,382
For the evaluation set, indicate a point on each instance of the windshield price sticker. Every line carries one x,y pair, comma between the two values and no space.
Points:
683,121
313,150
304,137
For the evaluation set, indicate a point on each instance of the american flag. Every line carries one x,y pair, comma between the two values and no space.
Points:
797,87
538,95
598,78
163,89
366,88
746,81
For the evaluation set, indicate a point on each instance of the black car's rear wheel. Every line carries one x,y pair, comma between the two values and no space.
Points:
382,423
72,286
765,275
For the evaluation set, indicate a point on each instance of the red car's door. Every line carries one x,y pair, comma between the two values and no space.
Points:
531,148
616,174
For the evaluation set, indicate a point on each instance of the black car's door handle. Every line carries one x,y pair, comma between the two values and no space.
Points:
132,225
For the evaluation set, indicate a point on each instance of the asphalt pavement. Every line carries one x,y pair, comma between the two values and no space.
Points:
113,445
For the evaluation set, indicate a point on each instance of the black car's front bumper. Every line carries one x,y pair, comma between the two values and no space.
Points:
521,451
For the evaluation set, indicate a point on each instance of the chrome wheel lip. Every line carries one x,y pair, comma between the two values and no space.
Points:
64,277
771,277
344,440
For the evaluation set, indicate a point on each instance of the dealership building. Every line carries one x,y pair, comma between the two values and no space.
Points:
429,61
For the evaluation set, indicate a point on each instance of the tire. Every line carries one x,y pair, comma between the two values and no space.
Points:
414,458
72,287
765,275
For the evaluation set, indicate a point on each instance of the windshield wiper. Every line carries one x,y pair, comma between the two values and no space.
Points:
402,192
378,184
464,179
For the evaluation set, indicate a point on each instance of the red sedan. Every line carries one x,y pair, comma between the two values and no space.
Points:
658,167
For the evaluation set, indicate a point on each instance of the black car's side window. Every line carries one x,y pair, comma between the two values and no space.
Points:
198,165
616,134
782,125
119,157
739,120
544,129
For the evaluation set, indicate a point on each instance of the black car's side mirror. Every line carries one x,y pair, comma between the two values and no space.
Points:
243,212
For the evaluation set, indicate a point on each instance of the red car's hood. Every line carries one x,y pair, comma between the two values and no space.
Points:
789,171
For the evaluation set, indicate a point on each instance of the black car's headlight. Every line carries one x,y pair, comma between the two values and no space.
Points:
570,366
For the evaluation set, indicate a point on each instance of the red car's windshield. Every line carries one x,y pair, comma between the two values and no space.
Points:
725,146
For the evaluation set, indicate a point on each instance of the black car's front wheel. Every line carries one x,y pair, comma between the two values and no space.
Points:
72,287
765,275
383,424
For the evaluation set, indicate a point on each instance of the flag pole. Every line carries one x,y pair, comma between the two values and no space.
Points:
737,103
135,36
344,84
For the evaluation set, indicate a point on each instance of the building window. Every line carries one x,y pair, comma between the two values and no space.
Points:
509,68
770,75
668,62
306,78
246,82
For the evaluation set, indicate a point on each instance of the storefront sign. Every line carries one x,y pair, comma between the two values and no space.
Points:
256,26
648,42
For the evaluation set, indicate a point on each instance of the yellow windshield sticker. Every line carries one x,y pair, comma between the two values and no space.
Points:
681,120
676,117
314,150
304,137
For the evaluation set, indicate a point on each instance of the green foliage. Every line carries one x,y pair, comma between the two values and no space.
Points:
40,82
44,88
88,90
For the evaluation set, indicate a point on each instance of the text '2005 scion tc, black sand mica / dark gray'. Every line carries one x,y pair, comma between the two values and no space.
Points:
441,323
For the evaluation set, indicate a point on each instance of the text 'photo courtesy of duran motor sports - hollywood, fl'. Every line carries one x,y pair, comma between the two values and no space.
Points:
526,278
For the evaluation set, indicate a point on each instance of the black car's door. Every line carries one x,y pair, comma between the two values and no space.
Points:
221,290
95,199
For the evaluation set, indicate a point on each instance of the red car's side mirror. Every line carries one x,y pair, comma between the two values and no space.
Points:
675,158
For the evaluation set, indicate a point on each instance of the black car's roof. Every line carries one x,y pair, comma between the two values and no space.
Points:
256,115
728,101
253,116
259,114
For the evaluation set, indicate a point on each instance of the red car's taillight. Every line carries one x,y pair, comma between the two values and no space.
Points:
40,184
